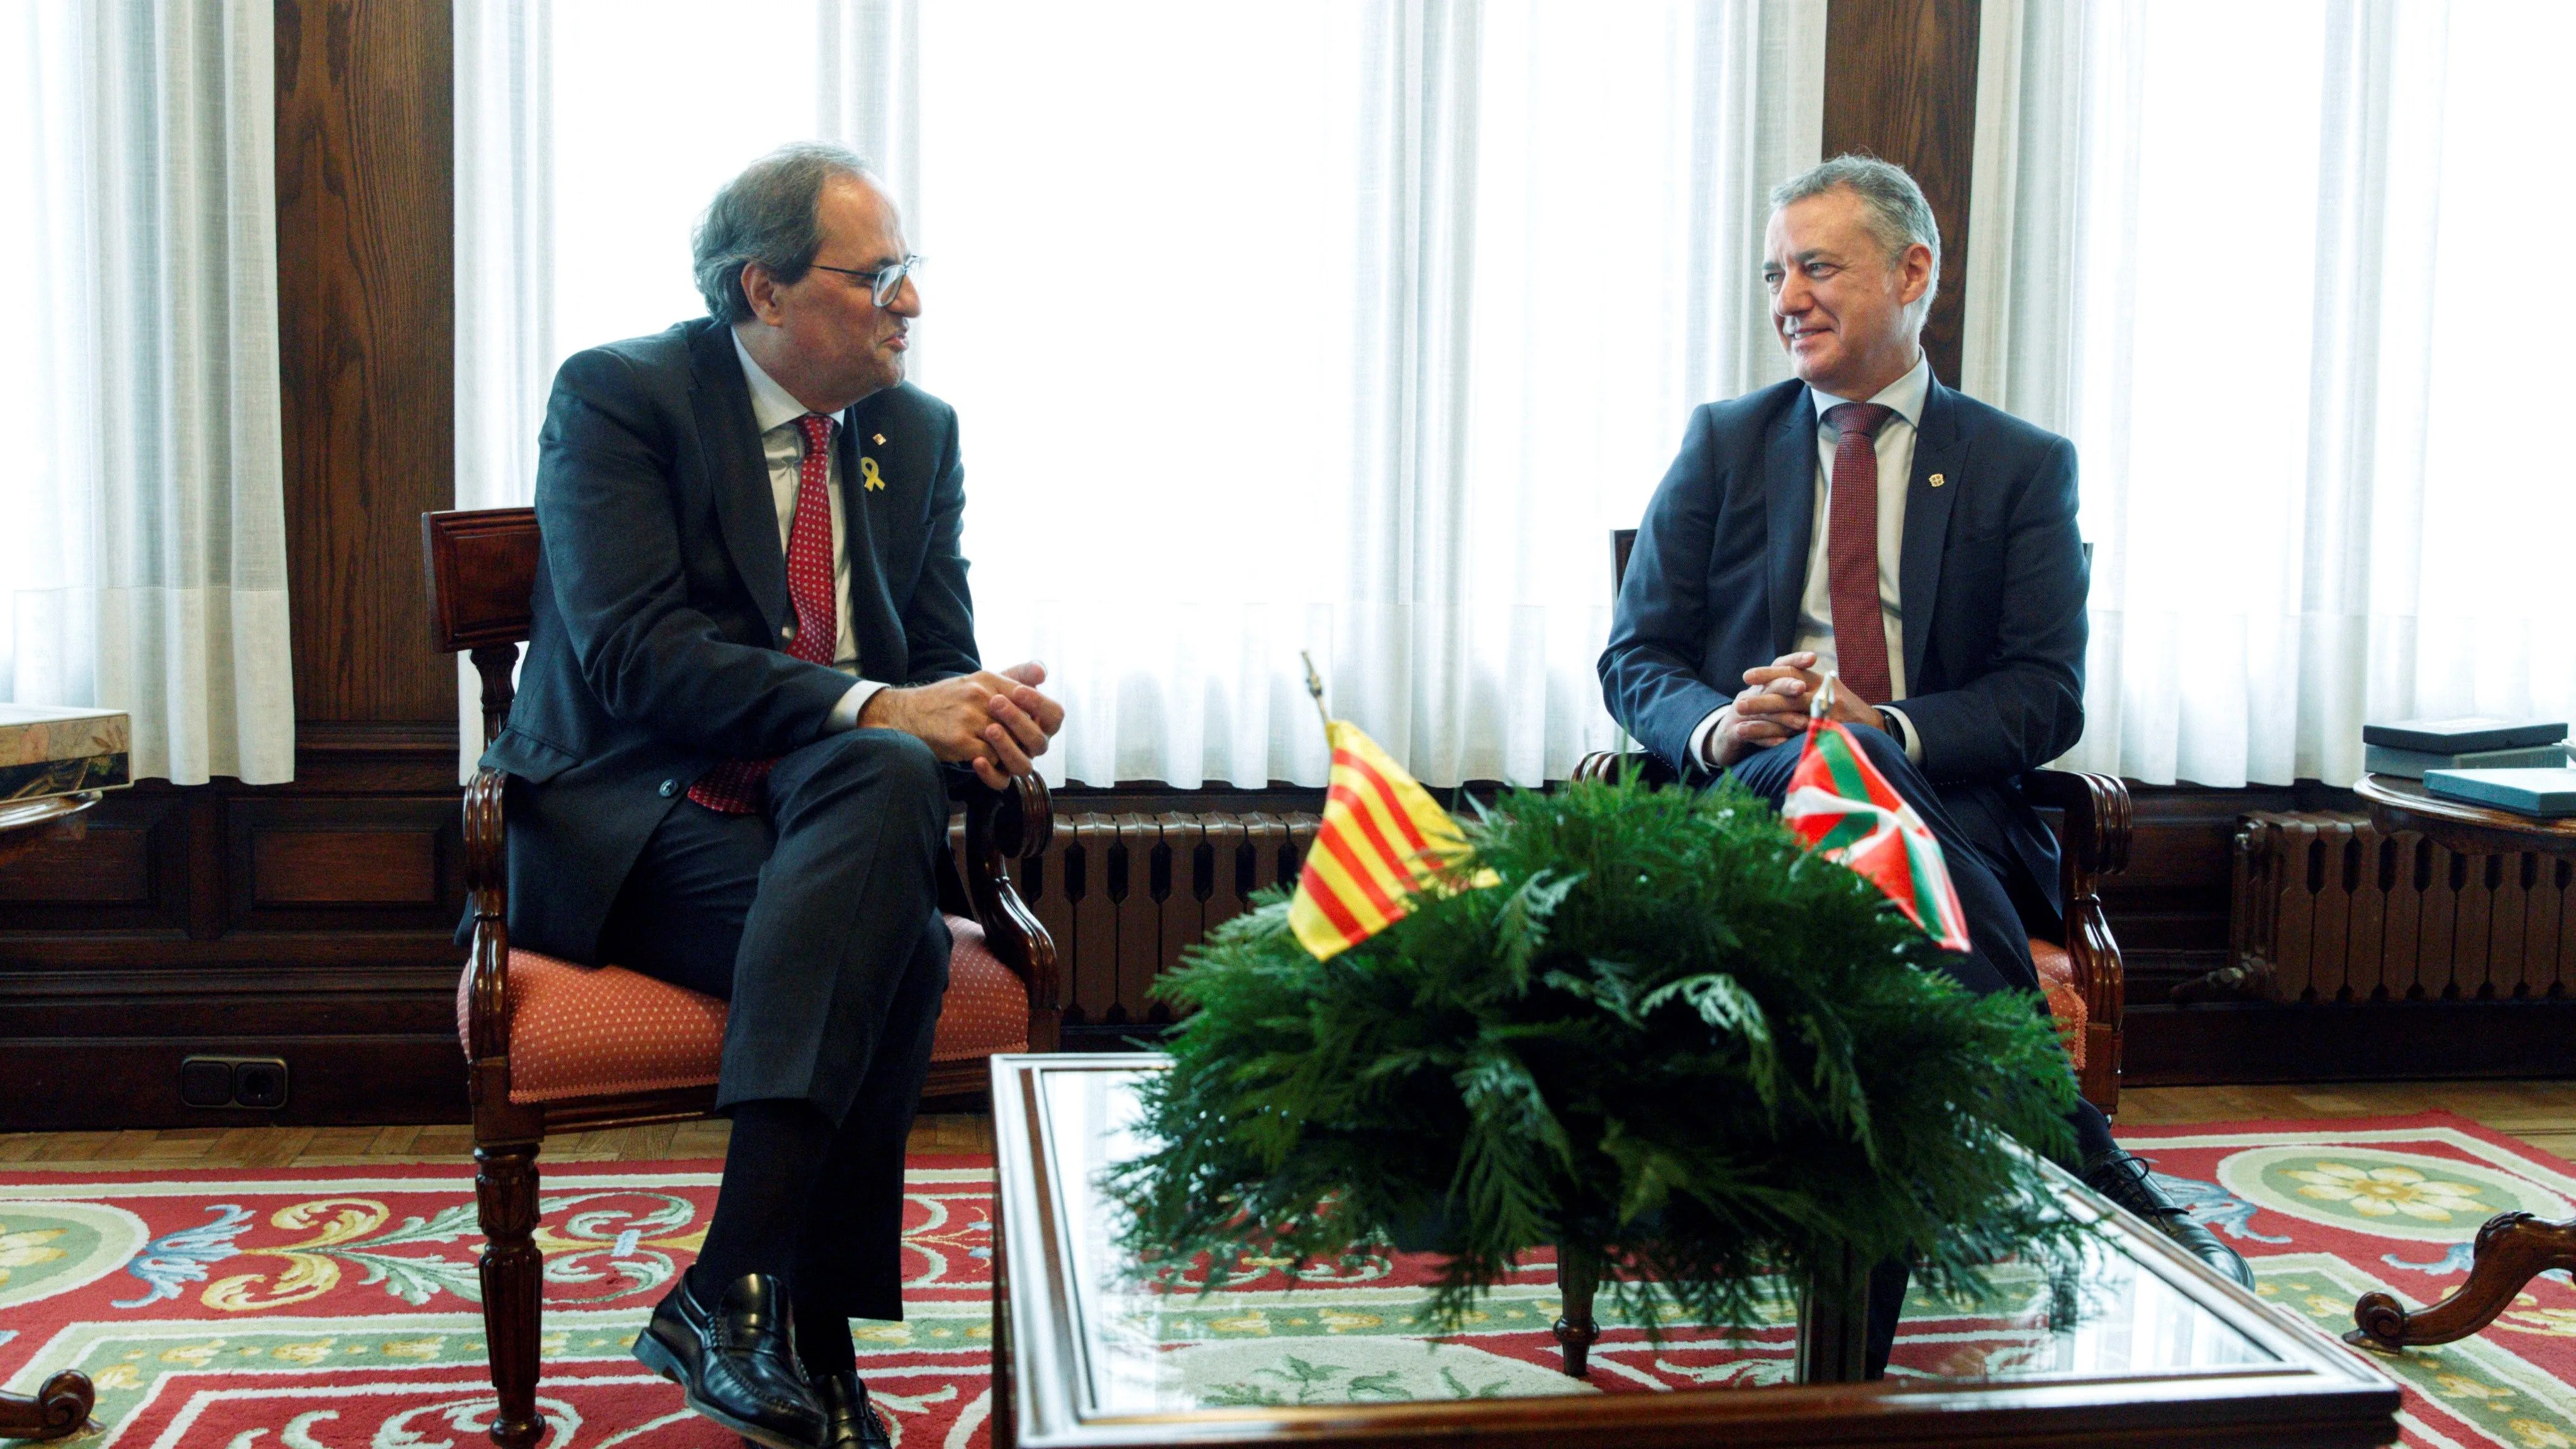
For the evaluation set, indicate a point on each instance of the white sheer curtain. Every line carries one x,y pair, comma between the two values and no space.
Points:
2292,297
143,556
1350,328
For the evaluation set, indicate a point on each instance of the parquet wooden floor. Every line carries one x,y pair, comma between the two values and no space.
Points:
2540,1113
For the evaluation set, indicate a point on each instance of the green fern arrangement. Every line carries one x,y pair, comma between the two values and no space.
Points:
1669,1040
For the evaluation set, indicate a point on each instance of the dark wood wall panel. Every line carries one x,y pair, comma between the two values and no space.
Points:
134,1081
366,302
109,867
308,921
299,859
295,922
1901,84
344,867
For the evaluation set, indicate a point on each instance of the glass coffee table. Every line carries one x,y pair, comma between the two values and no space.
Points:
1087,1353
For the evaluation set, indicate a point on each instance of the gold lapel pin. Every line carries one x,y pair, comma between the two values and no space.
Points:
880,440
1938,480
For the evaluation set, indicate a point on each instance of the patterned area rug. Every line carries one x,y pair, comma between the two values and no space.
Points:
337,1308
2329,1210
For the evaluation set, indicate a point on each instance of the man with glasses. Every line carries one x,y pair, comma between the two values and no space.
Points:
752,659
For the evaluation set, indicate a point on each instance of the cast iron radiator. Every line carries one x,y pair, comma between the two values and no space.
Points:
2327,909
1123,895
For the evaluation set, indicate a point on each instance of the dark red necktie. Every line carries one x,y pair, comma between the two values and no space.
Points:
1851,551
733,786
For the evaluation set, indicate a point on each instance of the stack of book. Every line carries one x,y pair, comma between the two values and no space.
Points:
2516,765
46,752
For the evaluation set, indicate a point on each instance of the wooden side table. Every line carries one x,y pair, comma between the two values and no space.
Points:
62,1404
2396,803
2511,1248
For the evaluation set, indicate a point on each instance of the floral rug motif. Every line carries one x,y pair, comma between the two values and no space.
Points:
339,1308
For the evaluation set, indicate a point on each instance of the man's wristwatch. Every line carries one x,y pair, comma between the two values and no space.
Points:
1894,723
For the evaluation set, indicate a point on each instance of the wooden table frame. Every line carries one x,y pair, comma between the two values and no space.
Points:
2511,1248
2317,1394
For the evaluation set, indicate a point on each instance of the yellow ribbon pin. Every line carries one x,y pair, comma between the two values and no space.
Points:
869,477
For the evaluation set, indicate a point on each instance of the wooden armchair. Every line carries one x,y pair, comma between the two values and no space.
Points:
2082,973
551,1046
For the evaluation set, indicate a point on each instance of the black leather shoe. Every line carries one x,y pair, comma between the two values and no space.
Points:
2124,1179
850,1421
733,1364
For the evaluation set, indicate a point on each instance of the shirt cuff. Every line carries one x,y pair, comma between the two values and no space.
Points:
845,715
1903,729
1699,736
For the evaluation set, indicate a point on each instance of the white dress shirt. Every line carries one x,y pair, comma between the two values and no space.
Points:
774,410
1815,630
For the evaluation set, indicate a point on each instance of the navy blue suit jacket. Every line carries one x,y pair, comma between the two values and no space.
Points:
1991,584
657,644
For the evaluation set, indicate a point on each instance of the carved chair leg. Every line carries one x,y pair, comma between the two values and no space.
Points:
1578,1275
505,1194
2512,1249
60,1407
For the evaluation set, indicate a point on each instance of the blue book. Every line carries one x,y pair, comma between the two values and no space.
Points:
2464,734
2541,794
2412,764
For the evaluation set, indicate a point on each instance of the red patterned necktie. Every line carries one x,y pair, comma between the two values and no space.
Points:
733,786
1851,551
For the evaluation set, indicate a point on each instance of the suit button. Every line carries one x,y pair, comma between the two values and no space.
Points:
787,633
670,788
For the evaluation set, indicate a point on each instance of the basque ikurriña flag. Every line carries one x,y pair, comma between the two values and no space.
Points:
1383,838
1849,814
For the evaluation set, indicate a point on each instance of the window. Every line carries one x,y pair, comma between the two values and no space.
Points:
2294,298
1349,328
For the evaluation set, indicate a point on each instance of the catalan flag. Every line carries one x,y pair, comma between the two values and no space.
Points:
1383,838
1849,814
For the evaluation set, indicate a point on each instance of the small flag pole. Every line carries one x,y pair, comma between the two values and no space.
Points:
1315,687
1822,706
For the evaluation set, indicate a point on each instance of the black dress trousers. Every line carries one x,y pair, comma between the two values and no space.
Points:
818,919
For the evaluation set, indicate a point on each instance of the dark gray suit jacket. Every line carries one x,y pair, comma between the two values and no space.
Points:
661,598
1992,584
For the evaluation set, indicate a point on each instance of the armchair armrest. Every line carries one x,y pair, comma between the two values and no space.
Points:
2097,822
1002,826
487,884
487,1030
2095,844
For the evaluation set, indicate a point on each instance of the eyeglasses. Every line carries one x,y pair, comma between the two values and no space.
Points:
883,283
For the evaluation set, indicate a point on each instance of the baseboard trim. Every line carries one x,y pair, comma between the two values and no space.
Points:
88,1083
2222,1044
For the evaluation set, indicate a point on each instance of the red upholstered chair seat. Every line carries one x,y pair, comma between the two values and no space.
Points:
2065,1001
583,1031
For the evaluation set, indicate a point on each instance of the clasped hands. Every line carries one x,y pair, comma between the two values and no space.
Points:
992,721
1773,707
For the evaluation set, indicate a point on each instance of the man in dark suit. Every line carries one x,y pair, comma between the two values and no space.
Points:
1865,521
753,660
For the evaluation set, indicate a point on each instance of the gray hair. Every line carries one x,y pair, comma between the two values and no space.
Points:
1897,215
766,215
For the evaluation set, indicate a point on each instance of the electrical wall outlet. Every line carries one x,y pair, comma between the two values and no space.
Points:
206,1081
